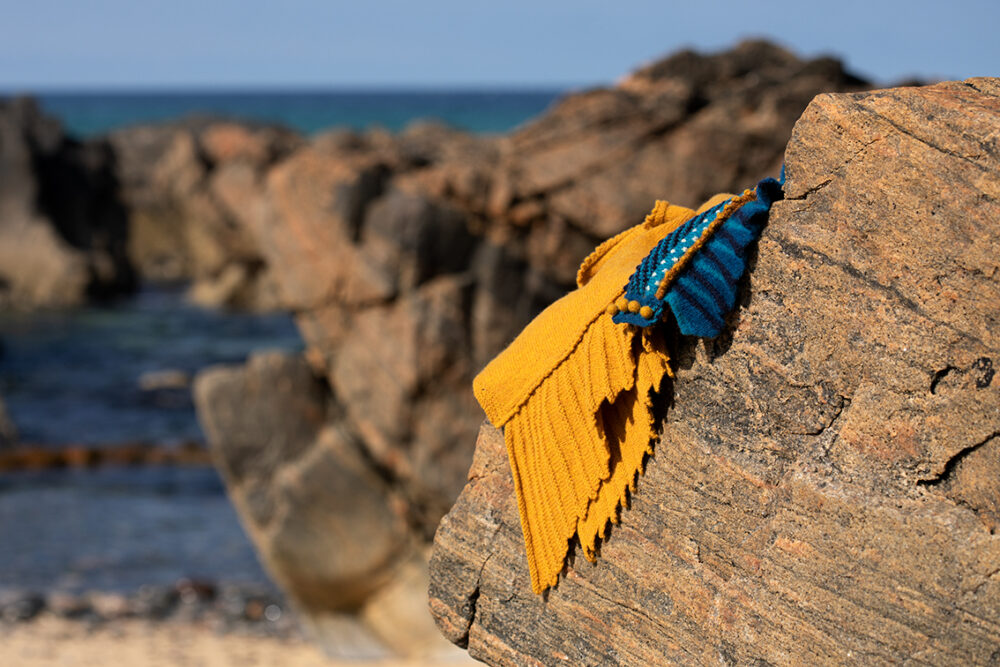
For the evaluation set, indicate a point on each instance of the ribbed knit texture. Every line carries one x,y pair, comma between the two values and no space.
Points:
696,269
572,393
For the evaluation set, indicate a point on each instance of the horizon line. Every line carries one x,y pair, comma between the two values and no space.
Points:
206,88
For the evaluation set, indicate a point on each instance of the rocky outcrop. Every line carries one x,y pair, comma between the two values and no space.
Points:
185,184
62,227
824,490
327,524
8,432
320,517
690,124
410,260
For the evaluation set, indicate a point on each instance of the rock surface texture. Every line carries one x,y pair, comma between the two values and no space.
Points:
63,229
825,488
185,184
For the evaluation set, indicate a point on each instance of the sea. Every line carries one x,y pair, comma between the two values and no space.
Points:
483,111
75,376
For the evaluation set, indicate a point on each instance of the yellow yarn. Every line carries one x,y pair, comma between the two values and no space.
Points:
572,393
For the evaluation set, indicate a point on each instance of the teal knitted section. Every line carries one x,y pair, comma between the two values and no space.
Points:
704,293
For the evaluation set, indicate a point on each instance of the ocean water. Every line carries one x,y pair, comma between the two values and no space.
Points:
484,111
73,376
118,529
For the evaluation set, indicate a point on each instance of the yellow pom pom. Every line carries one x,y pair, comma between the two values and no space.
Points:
633,306
621,304
611,309
646,312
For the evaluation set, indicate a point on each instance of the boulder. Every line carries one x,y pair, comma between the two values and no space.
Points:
321,518
688,126
330,525
187,184
824,488
63,230
8,432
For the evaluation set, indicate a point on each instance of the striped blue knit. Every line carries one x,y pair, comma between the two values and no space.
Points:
704,293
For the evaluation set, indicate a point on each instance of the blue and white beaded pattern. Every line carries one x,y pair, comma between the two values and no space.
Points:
646,279
704,292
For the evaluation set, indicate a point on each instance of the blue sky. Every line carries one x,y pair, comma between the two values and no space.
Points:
379,43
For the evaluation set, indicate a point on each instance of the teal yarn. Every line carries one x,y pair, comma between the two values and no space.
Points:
704,293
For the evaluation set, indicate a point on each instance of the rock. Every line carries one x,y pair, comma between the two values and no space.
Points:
63,228
109,606
186,184
334,528
316,205
324,522
8,431
17,606
195,590
688,126
167,378
237,285
824,489
155,602
68,605
397,615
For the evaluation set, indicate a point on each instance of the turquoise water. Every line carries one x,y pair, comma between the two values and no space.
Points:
90,113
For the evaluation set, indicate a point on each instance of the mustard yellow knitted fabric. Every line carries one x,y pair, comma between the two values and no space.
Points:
572,393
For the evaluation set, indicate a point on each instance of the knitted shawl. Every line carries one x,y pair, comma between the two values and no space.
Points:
574,391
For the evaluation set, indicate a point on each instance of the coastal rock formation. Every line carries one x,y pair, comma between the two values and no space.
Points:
178,180
824,490
690,124
382,283
8,432
318,514
328,526
411,260
62,227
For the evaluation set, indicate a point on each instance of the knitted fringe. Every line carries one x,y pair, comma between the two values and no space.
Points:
577,445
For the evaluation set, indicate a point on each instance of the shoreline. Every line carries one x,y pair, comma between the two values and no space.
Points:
225,608
50,640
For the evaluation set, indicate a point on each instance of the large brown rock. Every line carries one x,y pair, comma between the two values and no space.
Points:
187,185
329,526
411,260
824,490
63,228
321,518
688,126
8,431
